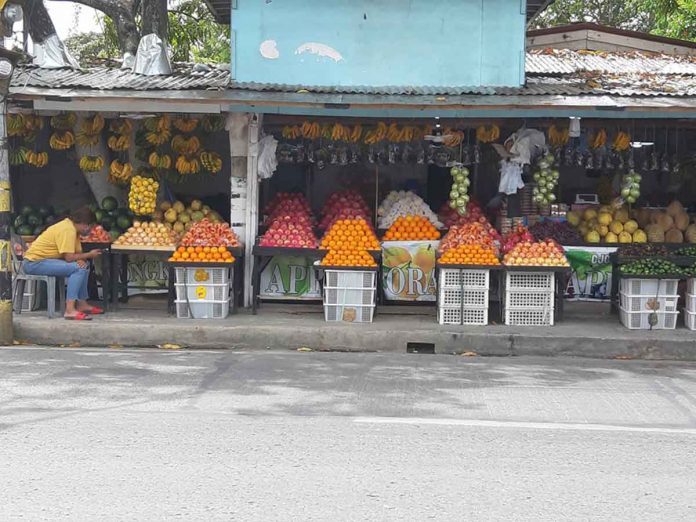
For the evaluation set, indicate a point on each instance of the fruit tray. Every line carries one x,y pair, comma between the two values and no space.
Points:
124,249
280,251
470,267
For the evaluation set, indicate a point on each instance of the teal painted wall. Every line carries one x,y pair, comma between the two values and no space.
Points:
379,42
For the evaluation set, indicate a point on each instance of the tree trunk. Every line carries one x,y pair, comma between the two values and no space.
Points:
38,21
155,18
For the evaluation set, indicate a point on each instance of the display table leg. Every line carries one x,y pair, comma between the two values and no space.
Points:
561,281
124,278
255,284
171,290
106,280
117,260
614,295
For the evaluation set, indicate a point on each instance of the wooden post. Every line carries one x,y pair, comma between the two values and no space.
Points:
6,329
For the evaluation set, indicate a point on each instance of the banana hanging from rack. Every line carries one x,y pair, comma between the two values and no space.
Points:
37,159
185,124
91,163
211,161
119,173
159,161
121,126
18,156
186,166
159,130
622,141
599,139
213,123
65,121
558,138
118,143
185,146
487,134
86,140
61,140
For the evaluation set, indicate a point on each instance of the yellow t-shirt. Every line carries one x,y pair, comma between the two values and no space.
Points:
56,240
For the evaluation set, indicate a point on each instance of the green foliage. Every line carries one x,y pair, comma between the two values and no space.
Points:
194,36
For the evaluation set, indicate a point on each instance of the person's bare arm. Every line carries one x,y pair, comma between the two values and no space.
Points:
70,258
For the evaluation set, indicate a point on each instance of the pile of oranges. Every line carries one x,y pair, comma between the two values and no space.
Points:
347,258
470,255
200,254
350,234
412,228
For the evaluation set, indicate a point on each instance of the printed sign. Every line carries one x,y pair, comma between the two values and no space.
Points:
590,278
291,278
408,270
201,292
146,275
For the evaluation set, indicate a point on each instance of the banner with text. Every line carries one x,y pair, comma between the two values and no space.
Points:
590,278
408,270
291,278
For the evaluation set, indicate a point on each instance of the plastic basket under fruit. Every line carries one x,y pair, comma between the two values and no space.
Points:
637,286
530,281
648,303
469,279
459,316
520,299
454,297
529,317
641,320
690,319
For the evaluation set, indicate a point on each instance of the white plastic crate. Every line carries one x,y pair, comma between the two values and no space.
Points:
691,285
529,317
690,302
641,320
349,313
530,281
200,275
357,279
690,319
469,279
648,303
202,309
202,292
635,286
457,316
350,295
517,299
453,297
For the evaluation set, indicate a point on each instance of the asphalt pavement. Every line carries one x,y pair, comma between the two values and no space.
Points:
118,434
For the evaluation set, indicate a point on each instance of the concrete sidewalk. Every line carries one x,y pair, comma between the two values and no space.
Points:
588,331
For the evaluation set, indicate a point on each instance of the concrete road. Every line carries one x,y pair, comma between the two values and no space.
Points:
166,435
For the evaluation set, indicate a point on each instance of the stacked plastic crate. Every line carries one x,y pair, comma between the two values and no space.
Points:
463,296
350,295
690,308
649,304
529,298
203,293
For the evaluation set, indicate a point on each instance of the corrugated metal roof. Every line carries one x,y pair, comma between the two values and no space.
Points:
566,61
549,72
111,78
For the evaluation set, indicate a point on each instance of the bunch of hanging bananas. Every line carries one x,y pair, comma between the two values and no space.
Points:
213,123
622,141
121,126
159,161
376,135
558,138
91,163
291,132
90,130
186,146
158,130
118,143
119,173
62,140
15,124
486,134
311,131
186,166
33,122
211,161
453,138
599,139
185,124
37,159
18,156
64,121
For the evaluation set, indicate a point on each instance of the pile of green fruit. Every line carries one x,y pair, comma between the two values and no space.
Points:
686,251
546,177
630,187
115,220
31,221
643,250
653,267
459,197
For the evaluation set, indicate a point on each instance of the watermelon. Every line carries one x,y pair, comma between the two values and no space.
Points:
124,222
25,230
50,220
44,212
26,211
107,222
99,214
34,220
109,203
93,207
19,221
115,234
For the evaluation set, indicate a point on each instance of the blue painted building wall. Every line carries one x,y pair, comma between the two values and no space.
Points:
379,42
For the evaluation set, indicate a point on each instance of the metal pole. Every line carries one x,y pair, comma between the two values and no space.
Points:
6,329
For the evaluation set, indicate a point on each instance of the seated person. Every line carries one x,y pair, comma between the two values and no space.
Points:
58,252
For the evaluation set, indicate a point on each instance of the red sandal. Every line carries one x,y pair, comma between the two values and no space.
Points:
79,316
95,310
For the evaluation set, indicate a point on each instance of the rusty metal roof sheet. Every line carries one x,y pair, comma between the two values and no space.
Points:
549,72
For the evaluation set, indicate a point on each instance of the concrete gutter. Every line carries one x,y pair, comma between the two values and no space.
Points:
601,337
